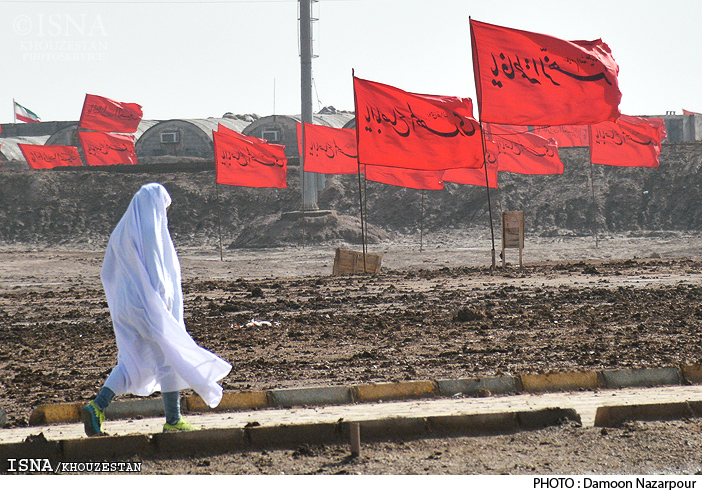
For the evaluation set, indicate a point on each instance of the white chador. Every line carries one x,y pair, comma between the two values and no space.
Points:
142,280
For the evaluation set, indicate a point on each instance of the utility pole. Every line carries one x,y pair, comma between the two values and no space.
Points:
308,180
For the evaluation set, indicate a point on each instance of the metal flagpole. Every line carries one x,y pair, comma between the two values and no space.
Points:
594,206
219,220
487,186
421,225
360,190
482,140
592,186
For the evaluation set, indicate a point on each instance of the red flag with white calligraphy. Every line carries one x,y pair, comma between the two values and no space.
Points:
523,152
328,150
402,177
421,132
107,149
245,163
628,142
103,114
566,136
526,78
50,156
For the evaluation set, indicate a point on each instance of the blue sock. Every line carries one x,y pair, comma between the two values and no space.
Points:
104,398
171,406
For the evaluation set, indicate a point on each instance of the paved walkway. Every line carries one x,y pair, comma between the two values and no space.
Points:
584,403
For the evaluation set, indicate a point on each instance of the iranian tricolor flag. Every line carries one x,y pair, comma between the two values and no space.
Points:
25,115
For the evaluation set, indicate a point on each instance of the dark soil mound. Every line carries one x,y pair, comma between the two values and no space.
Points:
79,208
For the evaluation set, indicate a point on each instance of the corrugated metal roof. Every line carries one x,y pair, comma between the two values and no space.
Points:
210,124
10,151
143,126
337,120
331,120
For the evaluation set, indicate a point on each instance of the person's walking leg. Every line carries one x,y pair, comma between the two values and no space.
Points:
93,414
171,407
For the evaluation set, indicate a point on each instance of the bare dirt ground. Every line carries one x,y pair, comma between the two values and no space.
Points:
605,286
578,304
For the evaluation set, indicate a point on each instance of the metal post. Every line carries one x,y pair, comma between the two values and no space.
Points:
308,180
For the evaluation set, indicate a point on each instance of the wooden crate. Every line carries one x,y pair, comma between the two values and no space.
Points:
351,262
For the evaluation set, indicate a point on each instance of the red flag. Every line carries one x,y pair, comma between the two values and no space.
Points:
328,150
401,177
51,156
270,149
526,78
629,142
524,152
688,113
103,114
420,132
221,128
476,176
242,162
107,149
566,136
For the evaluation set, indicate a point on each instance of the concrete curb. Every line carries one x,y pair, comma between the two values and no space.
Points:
220,441
614,416
300,397
502,385
692,374
395,391
231,402
629,378
368,393
540,383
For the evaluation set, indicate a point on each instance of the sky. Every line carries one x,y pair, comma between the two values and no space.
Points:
197,59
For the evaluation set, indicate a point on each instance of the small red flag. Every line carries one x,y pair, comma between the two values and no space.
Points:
476,176
688,113
51,156
566,136
421,132
523,152
107,149
526,78
629,142
271,149
103,114
402,177
243,162
328,150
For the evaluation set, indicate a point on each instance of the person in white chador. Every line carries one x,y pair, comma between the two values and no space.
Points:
142,280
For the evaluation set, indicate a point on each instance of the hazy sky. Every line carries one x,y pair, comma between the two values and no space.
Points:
198,59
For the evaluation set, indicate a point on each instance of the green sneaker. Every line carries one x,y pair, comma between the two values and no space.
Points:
92,419
181,425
